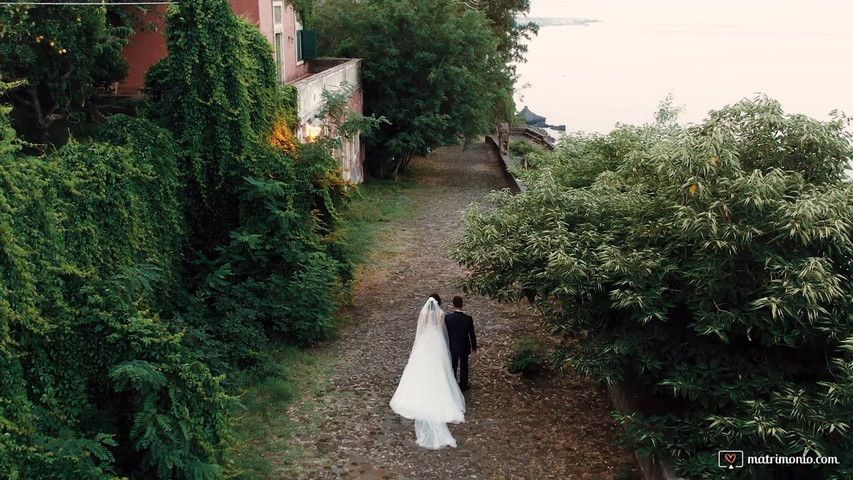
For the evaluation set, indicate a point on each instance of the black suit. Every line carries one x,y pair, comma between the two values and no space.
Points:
460,332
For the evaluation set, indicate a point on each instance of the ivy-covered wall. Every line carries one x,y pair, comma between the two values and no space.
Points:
141,266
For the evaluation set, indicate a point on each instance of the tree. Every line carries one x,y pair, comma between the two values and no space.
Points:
502,17
511,47
709,267
262,210
430,68
200,92
61,52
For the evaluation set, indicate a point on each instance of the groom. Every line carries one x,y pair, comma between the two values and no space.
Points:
463,341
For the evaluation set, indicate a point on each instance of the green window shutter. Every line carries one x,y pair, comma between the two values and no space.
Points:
309,44
299,56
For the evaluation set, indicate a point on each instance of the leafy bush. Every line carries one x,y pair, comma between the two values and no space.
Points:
521,148
96,383
526,359
280,272
710,265
262,210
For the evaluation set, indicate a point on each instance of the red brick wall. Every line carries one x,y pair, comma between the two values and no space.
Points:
248,9
148,47
145,49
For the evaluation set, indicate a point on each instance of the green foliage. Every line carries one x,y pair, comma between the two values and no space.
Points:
305,9
262,221
525,153
200,92
435,81
526,358
343,123
62,53
95,383
132,266
710,265
290,104
521,148
278,272
512,36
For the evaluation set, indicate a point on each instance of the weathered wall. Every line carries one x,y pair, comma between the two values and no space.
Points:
330,74
147,47
293,69
310,89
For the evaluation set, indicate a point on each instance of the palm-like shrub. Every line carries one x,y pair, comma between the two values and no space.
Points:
709,266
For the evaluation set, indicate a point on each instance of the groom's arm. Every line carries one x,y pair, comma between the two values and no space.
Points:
472,336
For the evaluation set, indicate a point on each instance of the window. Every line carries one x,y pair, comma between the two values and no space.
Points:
278,33
279,52
297,24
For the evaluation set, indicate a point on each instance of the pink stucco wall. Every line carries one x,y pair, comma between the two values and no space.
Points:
292,70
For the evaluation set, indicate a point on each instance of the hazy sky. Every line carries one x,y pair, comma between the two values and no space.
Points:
707,53
821,15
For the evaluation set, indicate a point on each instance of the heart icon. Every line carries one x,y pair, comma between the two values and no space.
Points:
731,457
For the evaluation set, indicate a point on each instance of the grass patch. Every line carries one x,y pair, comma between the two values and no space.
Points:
263,423
280,399
526,359
373,206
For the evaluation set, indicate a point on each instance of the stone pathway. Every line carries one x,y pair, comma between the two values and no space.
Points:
554,427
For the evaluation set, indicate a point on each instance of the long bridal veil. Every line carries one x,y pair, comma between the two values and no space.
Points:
428,392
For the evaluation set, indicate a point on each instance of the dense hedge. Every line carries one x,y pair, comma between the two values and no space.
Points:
709,266
140,267
90,238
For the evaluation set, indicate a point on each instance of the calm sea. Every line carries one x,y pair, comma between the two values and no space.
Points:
706,53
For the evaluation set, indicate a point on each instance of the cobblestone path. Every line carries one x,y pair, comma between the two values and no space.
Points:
555,427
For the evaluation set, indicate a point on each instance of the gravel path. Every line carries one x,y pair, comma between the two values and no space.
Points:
557,426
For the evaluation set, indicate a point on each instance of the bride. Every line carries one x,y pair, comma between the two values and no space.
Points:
428,392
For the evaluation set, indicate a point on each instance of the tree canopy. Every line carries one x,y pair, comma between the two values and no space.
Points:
62,52
432,68
708,267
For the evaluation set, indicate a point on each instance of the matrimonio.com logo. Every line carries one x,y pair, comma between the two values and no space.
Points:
730,459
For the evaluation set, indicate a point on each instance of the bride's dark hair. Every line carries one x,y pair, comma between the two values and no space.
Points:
436,297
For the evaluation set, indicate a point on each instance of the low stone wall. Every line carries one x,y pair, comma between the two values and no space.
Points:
533,136
515,184
626,400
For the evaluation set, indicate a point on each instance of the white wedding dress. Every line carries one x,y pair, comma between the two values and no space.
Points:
428,392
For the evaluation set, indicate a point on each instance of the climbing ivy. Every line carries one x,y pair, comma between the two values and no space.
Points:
96,383
261,222
305,9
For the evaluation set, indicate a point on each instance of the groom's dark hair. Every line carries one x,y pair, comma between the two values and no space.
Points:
436,297
457,301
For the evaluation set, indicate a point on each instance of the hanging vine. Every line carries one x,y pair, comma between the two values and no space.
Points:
305,9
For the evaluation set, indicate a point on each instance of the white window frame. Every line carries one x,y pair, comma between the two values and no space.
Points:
278,37
297,27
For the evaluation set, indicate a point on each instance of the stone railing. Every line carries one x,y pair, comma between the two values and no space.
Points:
532,135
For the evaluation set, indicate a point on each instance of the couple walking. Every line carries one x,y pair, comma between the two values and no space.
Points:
428,391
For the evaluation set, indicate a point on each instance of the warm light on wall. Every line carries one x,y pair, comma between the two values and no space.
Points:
313,129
